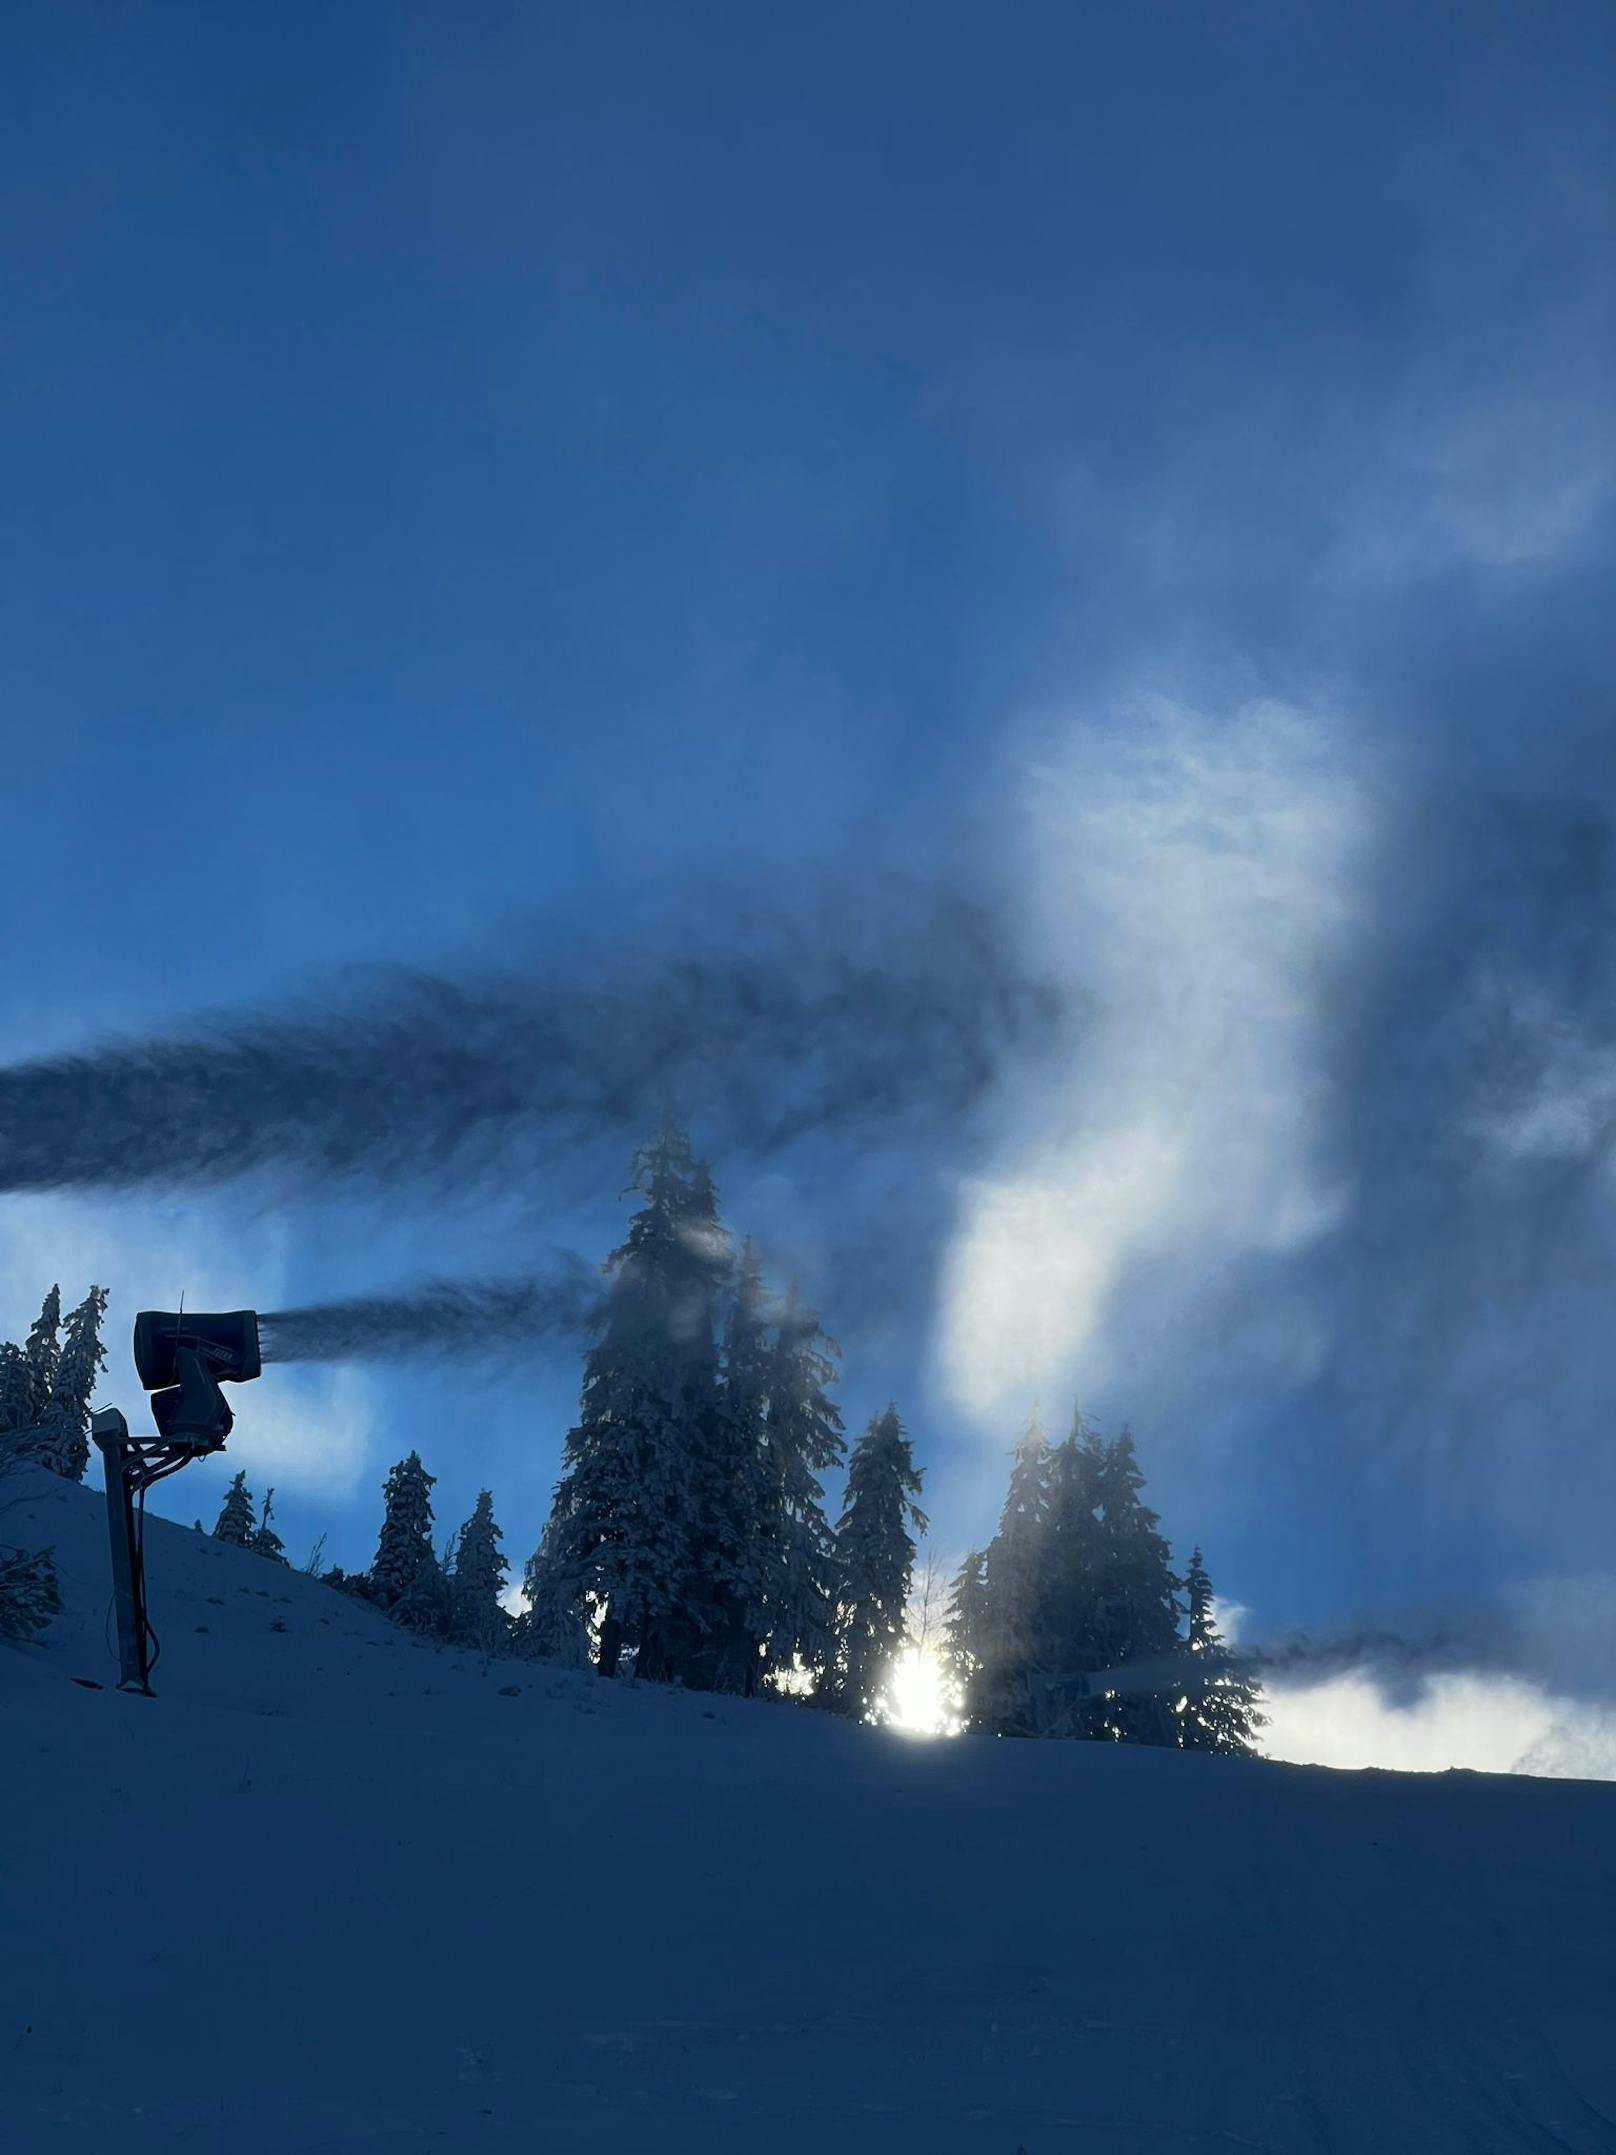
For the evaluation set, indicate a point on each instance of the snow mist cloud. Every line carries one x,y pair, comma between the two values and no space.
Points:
1193,878
443,1319
896,1018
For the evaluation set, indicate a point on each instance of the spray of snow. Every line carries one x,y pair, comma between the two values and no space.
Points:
1192,876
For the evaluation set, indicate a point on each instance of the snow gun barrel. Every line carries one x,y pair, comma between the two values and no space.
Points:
182,1357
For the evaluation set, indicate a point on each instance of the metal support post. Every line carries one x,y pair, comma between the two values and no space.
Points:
132,1465
111,1436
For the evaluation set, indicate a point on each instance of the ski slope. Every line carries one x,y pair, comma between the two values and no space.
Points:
335,1891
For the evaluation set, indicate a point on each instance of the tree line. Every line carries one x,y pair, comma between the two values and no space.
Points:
688,1541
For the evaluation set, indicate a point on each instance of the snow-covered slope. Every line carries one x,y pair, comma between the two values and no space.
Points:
336,1891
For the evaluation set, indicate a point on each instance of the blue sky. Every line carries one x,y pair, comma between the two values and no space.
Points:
470,474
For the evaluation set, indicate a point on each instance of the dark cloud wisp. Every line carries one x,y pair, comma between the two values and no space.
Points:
900,1027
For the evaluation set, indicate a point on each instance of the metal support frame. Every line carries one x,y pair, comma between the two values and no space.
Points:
132,1465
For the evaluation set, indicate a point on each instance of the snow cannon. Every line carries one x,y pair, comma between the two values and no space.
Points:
182,1358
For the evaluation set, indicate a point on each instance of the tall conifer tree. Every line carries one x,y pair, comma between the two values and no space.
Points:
965,1638
1220,1709
1072,1584
406,1579
477,1616
802,1440
43,1353
553,1625
1138,1606
65,1444
633,1536
1012,1652
875,1554
738,1522
14,1388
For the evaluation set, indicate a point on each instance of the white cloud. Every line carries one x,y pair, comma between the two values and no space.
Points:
1193,876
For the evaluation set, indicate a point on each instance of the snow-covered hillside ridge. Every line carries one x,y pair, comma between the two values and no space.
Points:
337,1891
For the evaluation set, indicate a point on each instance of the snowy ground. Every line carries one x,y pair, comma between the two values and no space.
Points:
334,1891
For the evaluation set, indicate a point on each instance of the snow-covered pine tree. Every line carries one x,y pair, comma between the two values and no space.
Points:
802,1440
1071,1585
964,1636
263,1540
1220,1709
14,1388
738,1526
1138,1606
406,1579
635,1509
552,1627
237,1521
43,1353
65,1427
875,1556
1012,1652
477,1617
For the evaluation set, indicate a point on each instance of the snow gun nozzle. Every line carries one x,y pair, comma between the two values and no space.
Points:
182,1358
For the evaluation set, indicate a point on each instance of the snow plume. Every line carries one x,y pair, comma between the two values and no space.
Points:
440,1318
1552,1630
1520,1685
1490,1724
309,1431
895,1015
1193,878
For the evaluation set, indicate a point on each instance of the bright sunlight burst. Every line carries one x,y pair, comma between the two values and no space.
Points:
921,1699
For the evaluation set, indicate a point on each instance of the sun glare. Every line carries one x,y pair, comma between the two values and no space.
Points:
920,1699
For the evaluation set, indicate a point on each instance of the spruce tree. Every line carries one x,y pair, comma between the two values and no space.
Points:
264,1541
875,1556
1072,1585
237,1522
802,1440
1138,1609
739,1524
553,1626
43,1354
406,1579
634,1538
477,1616
1012,1653
1220,1708
14,1388
65,1438
965,1638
